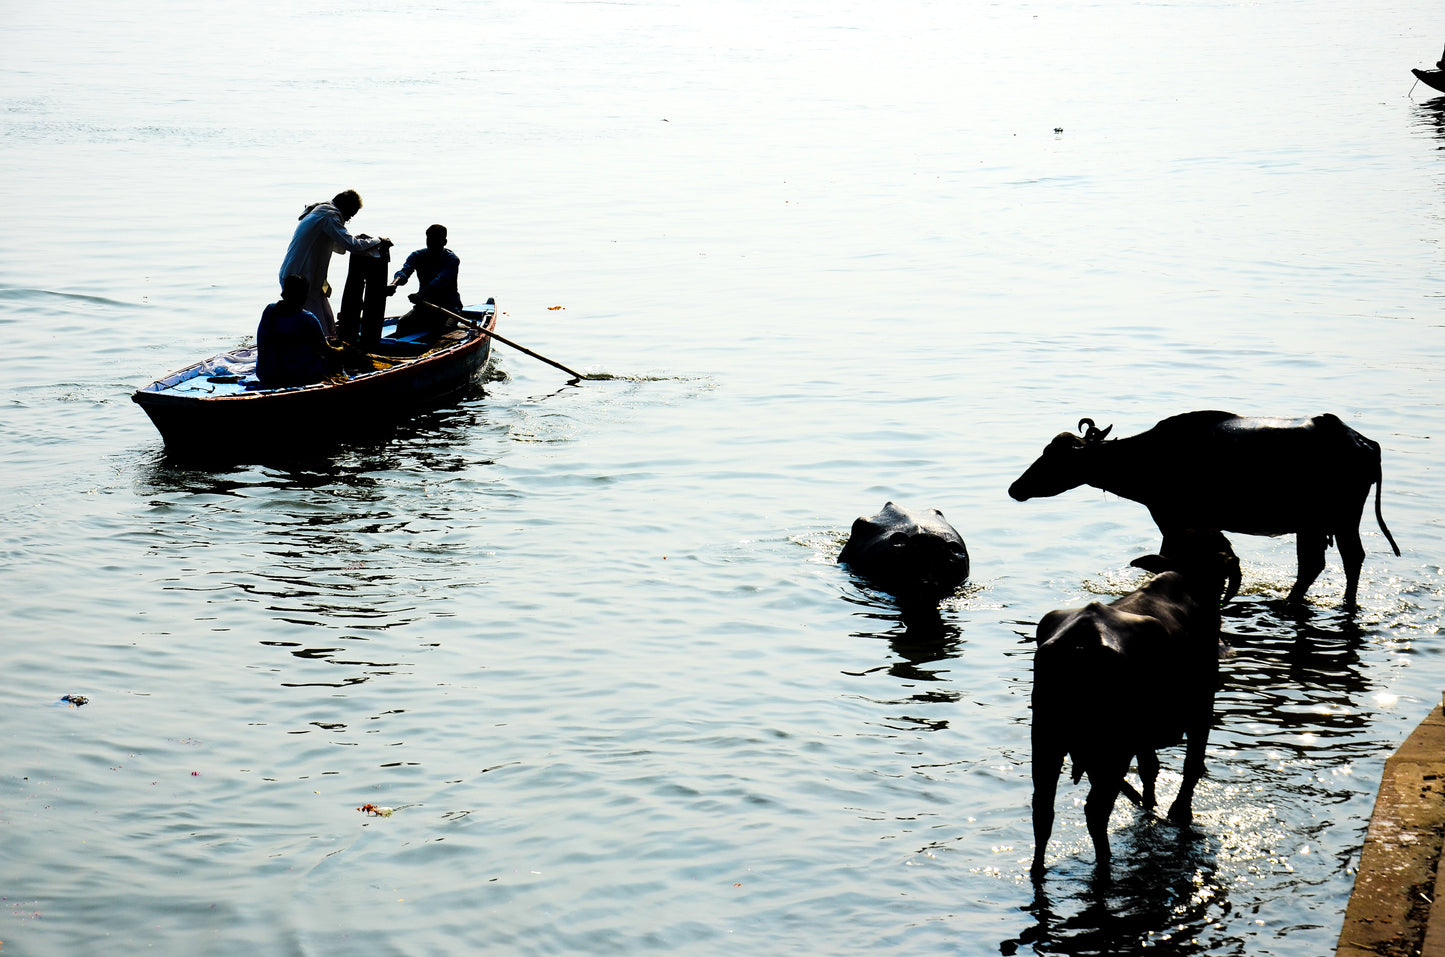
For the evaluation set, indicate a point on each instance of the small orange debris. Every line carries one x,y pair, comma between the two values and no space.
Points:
555,308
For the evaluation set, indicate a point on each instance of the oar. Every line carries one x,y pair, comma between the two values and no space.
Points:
501,338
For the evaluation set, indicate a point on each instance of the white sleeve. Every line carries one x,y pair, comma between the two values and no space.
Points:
343,240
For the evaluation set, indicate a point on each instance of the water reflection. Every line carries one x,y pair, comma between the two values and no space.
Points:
343,544
1167,895
1291,680
371,668
916,636
1430,116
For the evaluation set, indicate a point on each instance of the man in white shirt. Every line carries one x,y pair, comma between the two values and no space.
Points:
320,234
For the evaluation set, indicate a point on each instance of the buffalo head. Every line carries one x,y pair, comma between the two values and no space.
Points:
1060,467
1201,556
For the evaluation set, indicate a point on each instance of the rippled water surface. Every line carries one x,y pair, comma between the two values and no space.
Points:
590,642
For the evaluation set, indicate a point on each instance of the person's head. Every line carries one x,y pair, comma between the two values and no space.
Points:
294,291
348,201
436,237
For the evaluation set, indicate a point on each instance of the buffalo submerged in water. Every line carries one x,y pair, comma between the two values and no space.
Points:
1217,470
916,556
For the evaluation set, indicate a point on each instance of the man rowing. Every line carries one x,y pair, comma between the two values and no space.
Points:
436,269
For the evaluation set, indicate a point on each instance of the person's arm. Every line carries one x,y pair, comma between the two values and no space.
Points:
333,352
402,275
335,227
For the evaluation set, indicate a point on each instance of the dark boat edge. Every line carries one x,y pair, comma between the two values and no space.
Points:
1435,79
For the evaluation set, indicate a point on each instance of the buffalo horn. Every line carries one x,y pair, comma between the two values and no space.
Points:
1092,433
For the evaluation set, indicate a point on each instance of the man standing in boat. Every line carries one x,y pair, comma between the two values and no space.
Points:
291,348
436,269
320,234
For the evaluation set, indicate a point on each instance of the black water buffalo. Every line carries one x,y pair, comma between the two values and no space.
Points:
1118,681
1309,477
914,556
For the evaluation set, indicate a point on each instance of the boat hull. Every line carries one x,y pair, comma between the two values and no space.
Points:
1435,79
239,424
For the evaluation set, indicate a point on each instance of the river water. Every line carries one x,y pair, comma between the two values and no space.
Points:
590,642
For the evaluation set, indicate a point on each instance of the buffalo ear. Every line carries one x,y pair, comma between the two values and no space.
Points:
1234,576
1049,625
1152,563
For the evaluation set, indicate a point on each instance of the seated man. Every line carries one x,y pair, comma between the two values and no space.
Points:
436,269
291,349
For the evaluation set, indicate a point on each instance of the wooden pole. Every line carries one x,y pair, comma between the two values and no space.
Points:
501,338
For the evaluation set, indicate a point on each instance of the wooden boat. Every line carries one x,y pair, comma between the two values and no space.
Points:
216,407
1435,79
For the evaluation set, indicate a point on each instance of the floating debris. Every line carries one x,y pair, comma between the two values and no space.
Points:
372,809
75,700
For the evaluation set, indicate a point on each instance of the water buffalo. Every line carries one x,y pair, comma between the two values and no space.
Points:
1309,477
916,556
1118,681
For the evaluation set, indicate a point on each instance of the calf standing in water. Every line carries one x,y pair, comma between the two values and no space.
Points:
1118,681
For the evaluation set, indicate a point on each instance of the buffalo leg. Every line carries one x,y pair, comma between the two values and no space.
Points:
1148,774
1127,789
1048,762
1309,546
1352,554
1182,810
1104,787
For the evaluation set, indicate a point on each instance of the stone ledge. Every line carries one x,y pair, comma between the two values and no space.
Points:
1397,888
